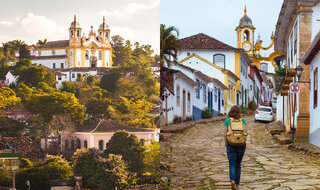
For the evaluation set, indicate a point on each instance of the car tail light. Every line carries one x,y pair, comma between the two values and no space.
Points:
257,112
271,113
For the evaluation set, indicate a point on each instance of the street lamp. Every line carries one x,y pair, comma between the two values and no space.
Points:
299,70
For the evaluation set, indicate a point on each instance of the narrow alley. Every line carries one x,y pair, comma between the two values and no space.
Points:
196,159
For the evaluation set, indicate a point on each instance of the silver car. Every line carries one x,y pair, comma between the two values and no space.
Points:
264,113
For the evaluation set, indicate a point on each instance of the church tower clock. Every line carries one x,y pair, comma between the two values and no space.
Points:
245,34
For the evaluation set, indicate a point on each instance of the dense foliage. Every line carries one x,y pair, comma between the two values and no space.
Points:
39,179
206,113
102,173
58,168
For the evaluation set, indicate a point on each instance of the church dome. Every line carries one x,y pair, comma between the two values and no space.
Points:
77,25
105,26
245,21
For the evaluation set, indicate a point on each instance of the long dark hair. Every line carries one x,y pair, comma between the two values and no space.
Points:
234,112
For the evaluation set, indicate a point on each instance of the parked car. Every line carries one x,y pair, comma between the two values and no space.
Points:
264,113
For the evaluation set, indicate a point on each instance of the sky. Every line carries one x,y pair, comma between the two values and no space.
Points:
219,18
32,20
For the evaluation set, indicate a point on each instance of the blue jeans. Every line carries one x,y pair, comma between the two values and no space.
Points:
235,155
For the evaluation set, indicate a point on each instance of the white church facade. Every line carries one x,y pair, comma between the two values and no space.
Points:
91,51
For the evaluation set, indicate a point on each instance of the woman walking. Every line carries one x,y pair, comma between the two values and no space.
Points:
235,136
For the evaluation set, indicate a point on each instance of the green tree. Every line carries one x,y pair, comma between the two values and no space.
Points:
8,98
47,105
109,81
151,160
42,42
90,80
58,168
169,43
69,87
121,51
32,75
102,173
39,179
5,174
24,52
129,146
23,63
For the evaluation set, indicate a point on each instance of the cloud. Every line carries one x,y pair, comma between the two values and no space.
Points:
32,28
6,23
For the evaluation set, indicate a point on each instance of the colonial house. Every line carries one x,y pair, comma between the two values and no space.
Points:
71,74
296,27
97,134
255,89
79,50
312,58
220,61
11,78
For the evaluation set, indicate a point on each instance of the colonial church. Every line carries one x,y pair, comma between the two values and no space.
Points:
78,51
262,57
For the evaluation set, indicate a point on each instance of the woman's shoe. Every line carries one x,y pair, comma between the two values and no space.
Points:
233,185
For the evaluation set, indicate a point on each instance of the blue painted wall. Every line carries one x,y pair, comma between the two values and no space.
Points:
197,113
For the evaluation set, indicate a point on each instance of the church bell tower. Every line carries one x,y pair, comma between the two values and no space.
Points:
245,34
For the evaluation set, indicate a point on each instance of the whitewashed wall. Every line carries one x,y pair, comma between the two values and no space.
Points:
49,62
314,136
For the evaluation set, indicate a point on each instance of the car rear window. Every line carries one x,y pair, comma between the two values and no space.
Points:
264,109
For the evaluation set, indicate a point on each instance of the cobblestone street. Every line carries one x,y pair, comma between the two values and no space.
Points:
196,159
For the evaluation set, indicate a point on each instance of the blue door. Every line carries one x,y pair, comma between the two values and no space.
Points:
219,101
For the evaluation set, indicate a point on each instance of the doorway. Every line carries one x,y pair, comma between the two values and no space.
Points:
184,105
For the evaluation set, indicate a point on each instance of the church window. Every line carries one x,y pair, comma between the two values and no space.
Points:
100,33
59,77
100,54
53,52
78,33
107,35
92,50
73,75
62,65
100,144
178,95
54,65
85,144
71,33
87,54
315,88
246,36
219,60
72,145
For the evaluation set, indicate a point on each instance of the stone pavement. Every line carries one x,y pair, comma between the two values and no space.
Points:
196,159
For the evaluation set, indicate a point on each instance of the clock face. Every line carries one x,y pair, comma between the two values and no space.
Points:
246,46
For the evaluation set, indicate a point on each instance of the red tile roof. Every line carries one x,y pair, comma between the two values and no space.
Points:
53,44
203,41
108,126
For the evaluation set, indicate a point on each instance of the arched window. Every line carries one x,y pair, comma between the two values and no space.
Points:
178,95
54,65
72,145
100,54
85,144
100,144
66,145
107,35
62,65
71,33
87,54
246,35
78,33
78,143
219,60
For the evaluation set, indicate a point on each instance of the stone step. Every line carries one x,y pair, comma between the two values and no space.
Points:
281,139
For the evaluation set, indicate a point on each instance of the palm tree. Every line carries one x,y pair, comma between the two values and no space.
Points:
40,42
6,48
169,44
16,44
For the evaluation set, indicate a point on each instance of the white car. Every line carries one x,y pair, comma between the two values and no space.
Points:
264,113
